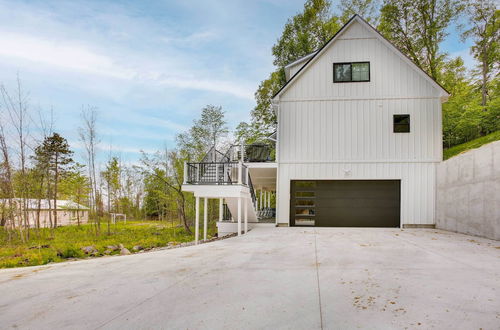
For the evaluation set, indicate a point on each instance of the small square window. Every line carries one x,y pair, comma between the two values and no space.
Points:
401,123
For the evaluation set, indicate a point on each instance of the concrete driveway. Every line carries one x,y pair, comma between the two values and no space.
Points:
272,278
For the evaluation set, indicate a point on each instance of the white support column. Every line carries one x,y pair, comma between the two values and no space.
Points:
185,172
260,204
221,209
268,199
197,221
205,218
265,199
239,216
217,173
245,210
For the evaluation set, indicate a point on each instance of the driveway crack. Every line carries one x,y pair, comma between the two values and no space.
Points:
317,279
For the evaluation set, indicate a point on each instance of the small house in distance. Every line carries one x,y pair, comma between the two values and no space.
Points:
42,212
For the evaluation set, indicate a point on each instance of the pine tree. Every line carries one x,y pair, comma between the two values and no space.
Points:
54,152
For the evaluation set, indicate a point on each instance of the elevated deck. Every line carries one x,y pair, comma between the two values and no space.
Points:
229,179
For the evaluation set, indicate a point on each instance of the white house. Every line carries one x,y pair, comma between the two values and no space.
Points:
41,212
358,141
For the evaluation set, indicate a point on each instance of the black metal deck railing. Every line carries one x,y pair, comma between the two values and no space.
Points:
217,173
252,153
220,174
226,213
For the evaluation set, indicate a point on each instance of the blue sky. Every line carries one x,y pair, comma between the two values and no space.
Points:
148,67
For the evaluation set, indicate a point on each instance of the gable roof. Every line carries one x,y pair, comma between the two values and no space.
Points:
364,23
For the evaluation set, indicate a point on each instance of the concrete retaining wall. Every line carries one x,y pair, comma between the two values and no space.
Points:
468,192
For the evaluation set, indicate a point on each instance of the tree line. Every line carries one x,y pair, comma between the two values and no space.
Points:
38,167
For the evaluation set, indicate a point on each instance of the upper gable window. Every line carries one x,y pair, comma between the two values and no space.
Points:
351,72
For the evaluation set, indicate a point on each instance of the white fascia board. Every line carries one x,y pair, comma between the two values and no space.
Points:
217,191
300,60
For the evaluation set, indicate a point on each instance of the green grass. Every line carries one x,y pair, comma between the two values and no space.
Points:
67,242
453,151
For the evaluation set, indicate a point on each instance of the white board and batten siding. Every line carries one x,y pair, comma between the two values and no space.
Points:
344,131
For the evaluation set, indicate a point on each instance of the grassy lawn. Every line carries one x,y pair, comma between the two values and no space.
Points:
453,151
67,242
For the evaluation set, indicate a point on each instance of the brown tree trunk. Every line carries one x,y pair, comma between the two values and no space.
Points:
182,211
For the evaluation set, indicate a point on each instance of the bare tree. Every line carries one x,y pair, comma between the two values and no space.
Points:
90,140
7,219
15,105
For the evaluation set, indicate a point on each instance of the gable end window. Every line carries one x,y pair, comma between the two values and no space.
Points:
351,72
401,123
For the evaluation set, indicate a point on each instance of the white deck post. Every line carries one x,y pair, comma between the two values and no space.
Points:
197,221
268,199
245,218
240,174
239,216
217,173
221,209
205,218
185,172
265,198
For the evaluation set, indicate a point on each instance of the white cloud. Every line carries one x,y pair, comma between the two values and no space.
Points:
69,55
61,54
104,148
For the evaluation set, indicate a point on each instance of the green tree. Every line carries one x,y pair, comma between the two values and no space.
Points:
303,34
248,133
76,187
484,19
460,120
368,9
206,132
168,168
157,195
417,27
111,176
55,153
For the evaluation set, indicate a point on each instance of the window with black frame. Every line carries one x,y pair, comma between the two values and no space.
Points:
351,72
401,123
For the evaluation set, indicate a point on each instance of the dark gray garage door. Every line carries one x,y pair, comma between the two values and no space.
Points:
345,203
